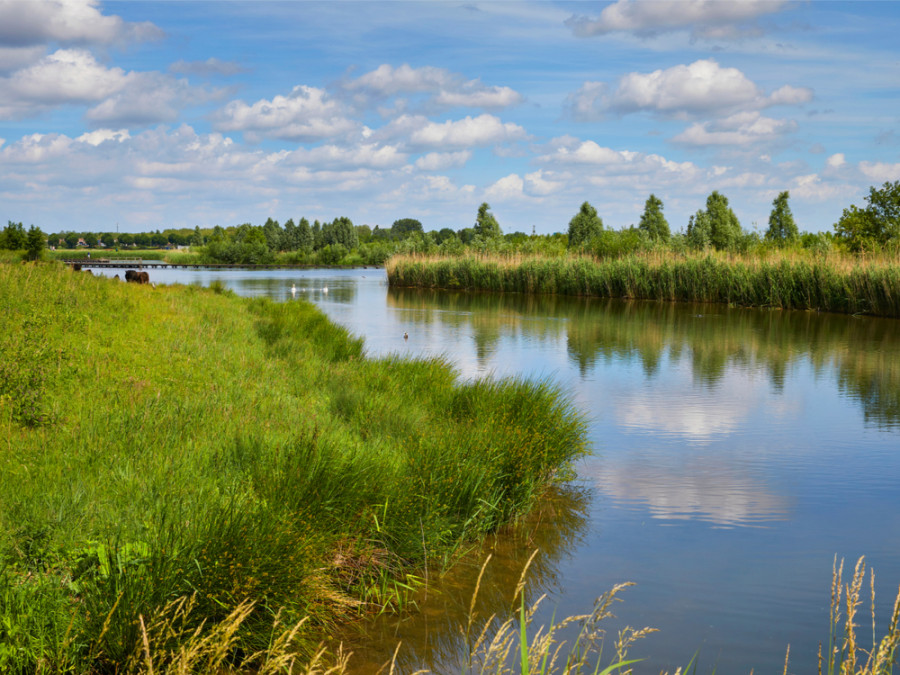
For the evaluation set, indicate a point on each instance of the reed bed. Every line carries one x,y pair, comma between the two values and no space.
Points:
827,283
177,442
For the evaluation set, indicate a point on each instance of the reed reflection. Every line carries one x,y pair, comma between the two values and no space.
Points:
862,353
430,633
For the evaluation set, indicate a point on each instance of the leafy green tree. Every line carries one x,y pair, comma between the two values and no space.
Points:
584,226
274,235
91,239
724,226
381,235
653,222
126,239
317,235
289,236
782,228
364,234
305,240
340,231
466,235
404,227
156,239
197,238
486,226
876,225
13,237
108,239
444,234
72,239
699,230
35,243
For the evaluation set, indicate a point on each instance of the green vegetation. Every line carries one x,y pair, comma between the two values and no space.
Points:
584,226
876,226
834,285
204,472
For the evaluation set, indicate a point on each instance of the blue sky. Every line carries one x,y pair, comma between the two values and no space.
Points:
147,115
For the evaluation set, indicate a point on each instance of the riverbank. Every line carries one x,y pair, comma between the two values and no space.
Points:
832,284
238,456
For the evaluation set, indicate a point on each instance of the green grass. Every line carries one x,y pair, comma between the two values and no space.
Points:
178,442
838,284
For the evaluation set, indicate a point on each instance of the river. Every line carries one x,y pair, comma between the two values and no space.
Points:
736,452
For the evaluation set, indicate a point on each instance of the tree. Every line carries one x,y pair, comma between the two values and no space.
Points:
698,230
156,239
13,237
91,239
72,239
108,239
340,231
404,227
486,226
274,235
782,228
653,222
364,234
197,238
876,225
317,235
724,226
305,240
584,226
35,243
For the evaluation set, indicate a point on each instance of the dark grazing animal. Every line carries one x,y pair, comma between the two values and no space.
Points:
137,277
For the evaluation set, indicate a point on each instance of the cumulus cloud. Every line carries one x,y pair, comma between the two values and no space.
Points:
445,89
704,18
14,58
683,91
738,129
77,22
880,171
441,161
467,132
306,114
66,76
366,155
508,187
540,183
836,161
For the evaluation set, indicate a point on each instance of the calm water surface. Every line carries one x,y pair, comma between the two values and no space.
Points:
736,452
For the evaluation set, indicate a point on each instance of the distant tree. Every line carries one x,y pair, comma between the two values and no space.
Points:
289,236
197,238
108,239
486,226
126,239
444,234
724,226
782,228
584,226
305,239
143,239
35,243
874,226
466,235
364,234
13,237
72,239
91,239
699,230
404,227
156,239
274,235
379,234
653,222
317,235
340,231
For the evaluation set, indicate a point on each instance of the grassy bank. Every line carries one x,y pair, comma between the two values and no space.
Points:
834,284
176,443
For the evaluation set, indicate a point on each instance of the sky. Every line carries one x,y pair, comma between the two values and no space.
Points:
140,116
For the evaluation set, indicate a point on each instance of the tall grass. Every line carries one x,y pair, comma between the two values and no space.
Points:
174,442
833,284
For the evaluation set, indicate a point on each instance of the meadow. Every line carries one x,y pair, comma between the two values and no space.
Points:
830,283
185,470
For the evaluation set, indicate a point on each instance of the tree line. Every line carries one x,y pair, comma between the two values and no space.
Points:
876,226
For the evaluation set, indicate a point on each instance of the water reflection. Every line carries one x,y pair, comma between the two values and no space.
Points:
431,634
713,340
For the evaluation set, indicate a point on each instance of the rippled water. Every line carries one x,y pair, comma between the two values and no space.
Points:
736,452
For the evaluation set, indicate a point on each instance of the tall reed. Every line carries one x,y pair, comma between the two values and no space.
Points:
833,284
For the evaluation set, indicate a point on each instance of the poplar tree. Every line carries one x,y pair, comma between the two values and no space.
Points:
584,226
782,227
653,222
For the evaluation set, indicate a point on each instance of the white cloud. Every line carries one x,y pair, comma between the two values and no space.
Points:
836,161
705,18
700,88
67,22
99,136
880,171
368,155
508,187
468,132
538,184
306,114
441,161
66,76
14,58
447,89
738,129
